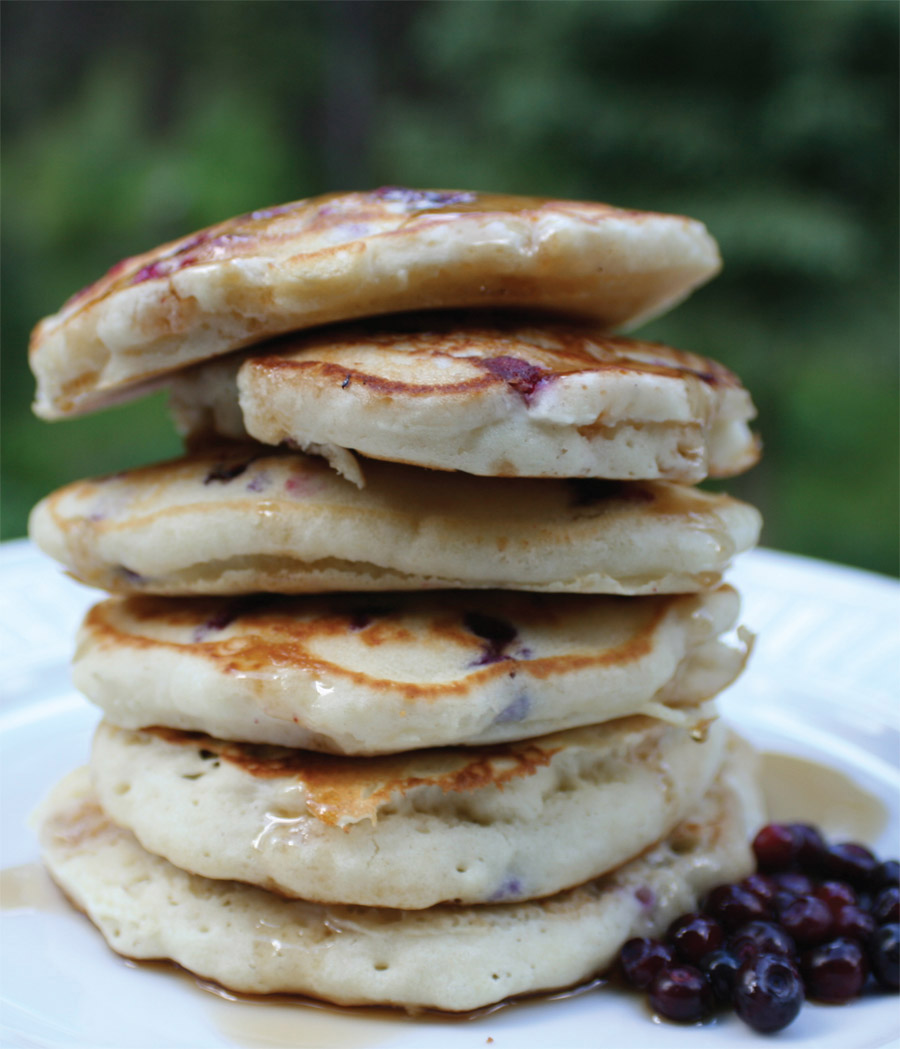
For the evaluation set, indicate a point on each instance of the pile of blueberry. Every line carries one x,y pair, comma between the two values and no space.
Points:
816,921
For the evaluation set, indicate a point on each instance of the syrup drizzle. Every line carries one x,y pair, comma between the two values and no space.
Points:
796,789
30,888
293,1022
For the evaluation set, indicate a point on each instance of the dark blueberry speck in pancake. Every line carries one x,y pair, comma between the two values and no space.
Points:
519,375
225,472
232,611
497,632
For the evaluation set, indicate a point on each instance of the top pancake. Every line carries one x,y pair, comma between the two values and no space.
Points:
352,255
499,395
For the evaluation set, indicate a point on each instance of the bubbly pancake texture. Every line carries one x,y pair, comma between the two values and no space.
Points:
513,821
448,957
229,521
355,674
492,396
350,255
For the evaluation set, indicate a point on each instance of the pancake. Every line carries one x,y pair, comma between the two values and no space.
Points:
449,957
349,674
241,520
351,255
509,822
494,397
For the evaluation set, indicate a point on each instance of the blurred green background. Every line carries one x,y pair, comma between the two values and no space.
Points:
126,124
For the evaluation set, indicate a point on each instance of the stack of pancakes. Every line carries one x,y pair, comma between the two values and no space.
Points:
408,677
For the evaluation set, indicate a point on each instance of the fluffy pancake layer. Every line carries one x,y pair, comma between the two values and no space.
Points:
349,255
448,957
244,520
489,396
355,674
515,821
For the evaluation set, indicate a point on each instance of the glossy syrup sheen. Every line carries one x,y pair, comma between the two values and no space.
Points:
338,789
290,1021
29,887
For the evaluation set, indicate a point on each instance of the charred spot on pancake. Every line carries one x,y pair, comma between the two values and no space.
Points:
519,375
225,472
497,632
422,199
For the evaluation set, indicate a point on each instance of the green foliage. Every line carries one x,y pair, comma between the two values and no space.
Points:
128,124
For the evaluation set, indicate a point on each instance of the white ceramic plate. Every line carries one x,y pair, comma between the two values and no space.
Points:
822,687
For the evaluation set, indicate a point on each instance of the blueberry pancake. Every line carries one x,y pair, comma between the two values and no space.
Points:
235,521
364,674
351,255
512,821
499,396
446,957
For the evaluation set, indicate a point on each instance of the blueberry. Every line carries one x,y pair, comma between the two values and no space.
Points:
680,992
695,935
796,884
757,938
761,885
642,958
734,906
775,847
850,862
835,971
768,992
808,920
886,874
811,846
884,954
886,906
783,899
853,922
836,894
721,968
